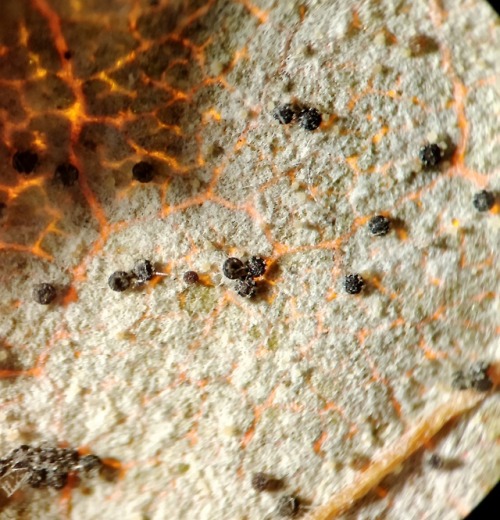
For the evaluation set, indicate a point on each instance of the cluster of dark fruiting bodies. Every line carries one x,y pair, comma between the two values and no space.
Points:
46,466
49,466
430,155
309,118
289,506
26,161
119,281
244,273
475,377
142,272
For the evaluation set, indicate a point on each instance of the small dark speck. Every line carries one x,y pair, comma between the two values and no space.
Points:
216,150
309,50
444,463
435,461
68,55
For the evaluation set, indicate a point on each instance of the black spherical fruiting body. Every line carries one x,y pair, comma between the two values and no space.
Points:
379,225
430,155
25,161
44,293
119,281
234,268
284,114
143,172
143,270
483,200
66,174
353,284
309,119
246,287
256,266
190,277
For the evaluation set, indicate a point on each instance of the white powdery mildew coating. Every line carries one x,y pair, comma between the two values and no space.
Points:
194,389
